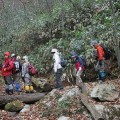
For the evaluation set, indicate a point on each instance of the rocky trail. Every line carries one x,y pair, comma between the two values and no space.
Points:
68,105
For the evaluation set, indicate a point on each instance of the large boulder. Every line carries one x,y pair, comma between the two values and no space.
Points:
105,92
41,84
14,106
70,93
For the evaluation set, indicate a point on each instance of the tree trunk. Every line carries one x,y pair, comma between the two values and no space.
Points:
117,42
26,98
96,115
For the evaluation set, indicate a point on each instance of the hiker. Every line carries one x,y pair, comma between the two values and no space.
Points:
16,72
80,67
99,56
26,77
13,58
57,69
7,73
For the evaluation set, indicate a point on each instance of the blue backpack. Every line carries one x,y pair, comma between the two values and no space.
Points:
82,62
102,75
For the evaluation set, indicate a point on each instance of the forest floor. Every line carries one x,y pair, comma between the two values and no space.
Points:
34,113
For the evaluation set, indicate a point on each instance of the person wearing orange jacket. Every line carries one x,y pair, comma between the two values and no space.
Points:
99,55
7,67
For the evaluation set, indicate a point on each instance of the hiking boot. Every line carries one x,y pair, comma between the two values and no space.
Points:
7,91
59,88
10,92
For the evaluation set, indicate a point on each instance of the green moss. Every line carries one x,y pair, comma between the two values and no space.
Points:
14,106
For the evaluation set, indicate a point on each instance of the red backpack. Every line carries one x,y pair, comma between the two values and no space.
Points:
32,70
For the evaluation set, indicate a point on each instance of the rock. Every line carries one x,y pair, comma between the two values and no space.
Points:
14,106
26,108
109,112
64,118
70,93
13,114
105,92
52,93
41,84
100,108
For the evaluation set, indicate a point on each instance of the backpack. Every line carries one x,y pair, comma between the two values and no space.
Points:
82,62
102,75
107,52
31,69
17,67
63,62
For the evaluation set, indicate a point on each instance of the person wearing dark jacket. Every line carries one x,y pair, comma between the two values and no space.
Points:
16,73
7,73
79,71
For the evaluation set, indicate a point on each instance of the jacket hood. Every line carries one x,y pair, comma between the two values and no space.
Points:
74,54
54,51
7,53
25,58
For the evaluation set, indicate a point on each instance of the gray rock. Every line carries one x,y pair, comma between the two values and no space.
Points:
105,92
13,114
64,118
70,93
52,93
109,112
100,108
25,108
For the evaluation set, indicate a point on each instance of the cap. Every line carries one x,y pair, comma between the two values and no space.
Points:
54,50
13,55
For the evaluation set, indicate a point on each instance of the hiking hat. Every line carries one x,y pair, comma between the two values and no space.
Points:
25,58
7,54
94,42
73,54
18,58
53,50
13,55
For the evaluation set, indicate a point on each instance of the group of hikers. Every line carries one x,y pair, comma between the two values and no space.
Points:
101,54
14,69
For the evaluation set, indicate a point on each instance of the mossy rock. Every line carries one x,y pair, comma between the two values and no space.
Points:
14,106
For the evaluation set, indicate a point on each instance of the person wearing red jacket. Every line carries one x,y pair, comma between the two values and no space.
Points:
7,67
79,71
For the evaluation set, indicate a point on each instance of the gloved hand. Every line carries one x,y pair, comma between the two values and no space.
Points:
5,69
80,68
55,70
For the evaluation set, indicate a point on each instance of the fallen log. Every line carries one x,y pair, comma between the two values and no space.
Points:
95,114
25,98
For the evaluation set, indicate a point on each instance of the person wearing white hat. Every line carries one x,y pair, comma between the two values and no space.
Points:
25,75
57,69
